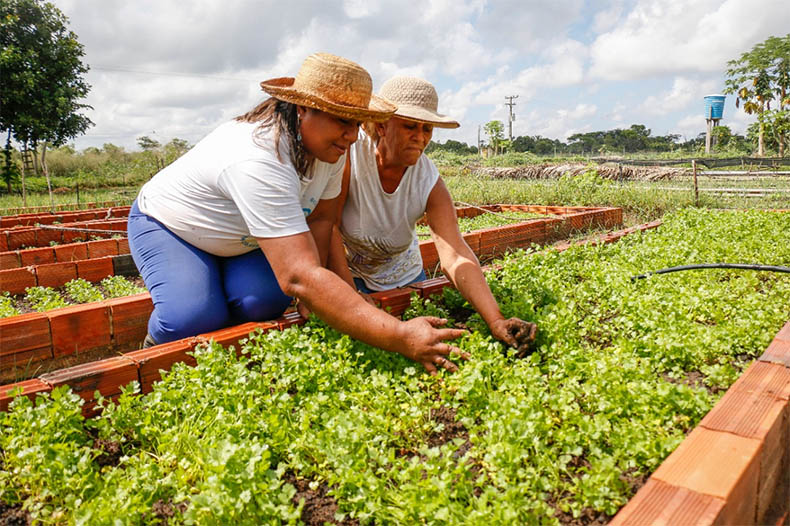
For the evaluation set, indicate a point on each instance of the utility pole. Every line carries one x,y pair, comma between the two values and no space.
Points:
479,148
512,117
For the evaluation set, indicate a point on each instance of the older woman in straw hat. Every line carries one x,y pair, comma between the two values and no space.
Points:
391,185
242,222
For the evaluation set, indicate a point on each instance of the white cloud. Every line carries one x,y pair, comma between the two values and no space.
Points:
684,92
678,36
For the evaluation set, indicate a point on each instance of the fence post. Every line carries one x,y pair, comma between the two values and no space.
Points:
696,188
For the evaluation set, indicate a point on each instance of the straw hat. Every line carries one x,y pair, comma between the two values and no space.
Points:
332,84
416,100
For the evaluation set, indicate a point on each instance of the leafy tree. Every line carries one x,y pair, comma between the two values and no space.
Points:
496,134
147,144
42,80
759,77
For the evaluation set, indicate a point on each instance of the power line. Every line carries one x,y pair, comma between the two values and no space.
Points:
169,74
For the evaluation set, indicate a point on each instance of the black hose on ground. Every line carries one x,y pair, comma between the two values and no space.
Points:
743,266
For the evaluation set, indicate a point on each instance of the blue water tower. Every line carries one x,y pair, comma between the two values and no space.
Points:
714,107
714,111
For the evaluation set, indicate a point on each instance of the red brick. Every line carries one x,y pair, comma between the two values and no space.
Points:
231,336
784,332
25,237
95,269
106,376
777,352
123,246
130,320
150,362
71,236
30,388
472,239
430,257
55,274
394,301
3,242
289,319
429,287
9,260
71,252
697,464
660,503
46,236
36,256
16,280
105,247
79,328
489,240
23,339
120,211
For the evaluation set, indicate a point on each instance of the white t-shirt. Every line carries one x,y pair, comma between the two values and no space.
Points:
378,228
227,190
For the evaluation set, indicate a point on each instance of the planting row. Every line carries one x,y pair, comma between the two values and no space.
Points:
622,371
39,210
69,252
18,280
50,235
9,221
75,292
485,243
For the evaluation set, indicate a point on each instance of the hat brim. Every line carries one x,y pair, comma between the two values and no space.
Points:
378,110
417,114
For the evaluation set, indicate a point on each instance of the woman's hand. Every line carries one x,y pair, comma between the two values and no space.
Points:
515,332
425,342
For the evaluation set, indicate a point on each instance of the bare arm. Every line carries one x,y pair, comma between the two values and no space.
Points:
462,268
297,267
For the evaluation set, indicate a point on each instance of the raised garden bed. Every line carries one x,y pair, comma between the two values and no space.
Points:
495,442
22,358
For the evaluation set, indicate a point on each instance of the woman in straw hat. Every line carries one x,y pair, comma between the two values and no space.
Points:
242,222
390,186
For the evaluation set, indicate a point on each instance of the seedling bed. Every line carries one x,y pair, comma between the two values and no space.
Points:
374,439
49,218
70,207
21,360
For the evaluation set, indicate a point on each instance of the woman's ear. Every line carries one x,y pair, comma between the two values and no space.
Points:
300,111
380,129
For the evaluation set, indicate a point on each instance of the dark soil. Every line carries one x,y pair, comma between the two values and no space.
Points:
319,507
164,511
13,516
110,452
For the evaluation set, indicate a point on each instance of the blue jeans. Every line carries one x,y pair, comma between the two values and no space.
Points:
361,287
194,291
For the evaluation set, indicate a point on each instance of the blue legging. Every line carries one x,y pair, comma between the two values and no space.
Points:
195,292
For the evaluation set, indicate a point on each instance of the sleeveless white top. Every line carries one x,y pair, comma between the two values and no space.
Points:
378,228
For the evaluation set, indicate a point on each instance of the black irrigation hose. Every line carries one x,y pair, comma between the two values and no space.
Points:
743,266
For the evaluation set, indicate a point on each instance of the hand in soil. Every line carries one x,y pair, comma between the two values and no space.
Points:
517,333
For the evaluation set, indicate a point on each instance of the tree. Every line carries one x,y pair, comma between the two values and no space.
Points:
147,144
758,77
42,80
496,133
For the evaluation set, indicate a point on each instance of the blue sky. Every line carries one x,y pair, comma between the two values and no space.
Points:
177,69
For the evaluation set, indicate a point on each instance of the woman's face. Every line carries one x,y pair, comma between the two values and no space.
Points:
401,142
326,136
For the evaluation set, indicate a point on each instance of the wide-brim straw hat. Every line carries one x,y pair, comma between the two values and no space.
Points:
416,100
332,84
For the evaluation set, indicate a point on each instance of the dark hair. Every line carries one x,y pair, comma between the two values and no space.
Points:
283,117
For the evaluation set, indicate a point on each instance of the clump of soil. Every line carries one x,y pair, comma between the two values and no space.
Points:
166,510
13,516
319,507
110,452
